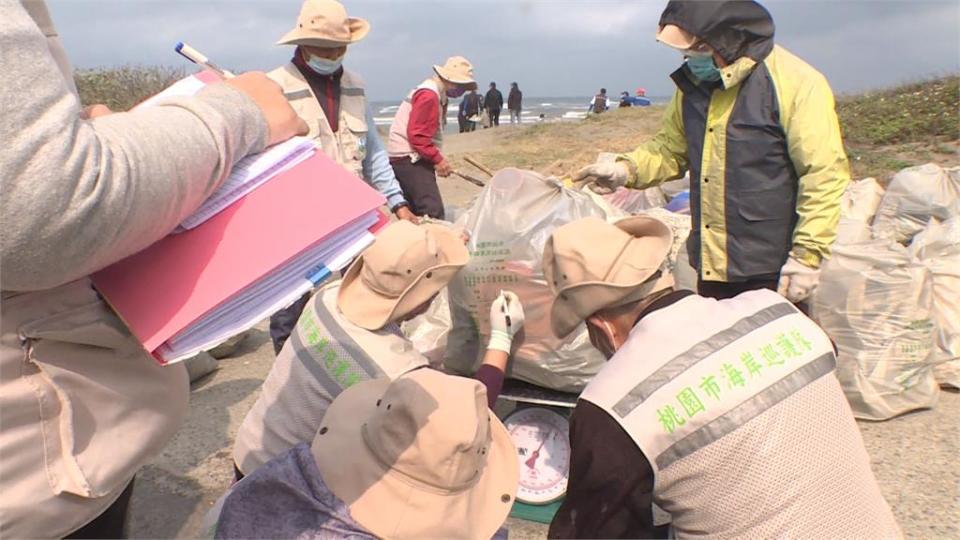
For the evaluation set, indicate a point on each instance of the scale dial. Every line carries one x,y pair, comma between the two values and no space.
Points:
543,453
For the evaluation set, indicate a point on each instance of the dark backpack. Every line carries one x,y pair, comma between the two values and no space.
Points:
599,103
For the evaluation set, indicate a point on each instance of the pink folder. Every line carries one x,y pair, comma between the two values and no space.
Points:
166,287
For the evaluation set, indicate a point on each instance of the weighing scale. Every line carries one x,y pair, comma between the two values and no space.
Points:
539,428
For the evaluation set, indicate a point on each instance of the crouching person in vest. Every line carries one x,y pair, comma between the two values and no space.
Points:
726,413
333,102
421,456
349,332
416,135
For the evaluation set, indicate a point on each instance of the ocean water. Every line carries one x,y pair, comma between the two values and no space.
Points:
553,109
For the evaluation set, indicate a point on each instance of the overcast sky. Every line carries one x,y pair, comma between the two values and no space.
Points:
551,47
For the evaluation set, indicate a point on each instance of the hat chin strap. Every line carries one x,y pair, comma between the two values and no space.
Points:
659,281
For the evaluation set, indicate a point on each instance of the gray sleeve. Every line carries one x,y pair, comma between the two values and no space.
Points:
76,195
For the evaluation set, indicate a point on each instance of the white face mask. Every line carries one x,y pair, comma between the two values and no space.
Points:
323,66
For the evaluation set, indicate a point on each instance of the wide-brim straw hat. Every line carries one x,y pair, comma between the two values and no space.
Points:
325,24
404,268
676,37
420,457
458,70
591,265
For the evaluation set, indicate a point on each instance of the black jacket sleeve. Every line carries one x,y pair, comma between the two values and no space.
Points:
610,492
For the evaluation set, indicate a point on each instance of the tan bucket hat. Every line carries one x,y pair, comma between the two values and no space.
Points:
324,23
420,457
458,70
406,266
676,37
592,265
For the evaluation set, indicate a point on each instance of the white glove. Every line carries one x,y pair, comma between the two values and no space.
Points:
797,281
607,177
506,320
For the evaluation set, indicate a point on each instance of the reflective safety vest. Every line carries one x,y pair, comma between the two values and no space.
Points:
325,354
348,145
398,145
735,405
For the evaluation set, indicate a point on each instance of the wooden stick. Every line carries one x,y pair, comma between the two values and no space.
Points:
478,165
470,179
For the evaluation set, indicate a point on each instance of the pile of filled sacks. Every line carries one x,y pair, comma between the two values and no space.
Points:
889,296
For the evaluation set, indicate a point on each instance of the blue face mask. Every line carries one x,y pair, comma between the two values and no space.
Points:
703,68
456,92
322,66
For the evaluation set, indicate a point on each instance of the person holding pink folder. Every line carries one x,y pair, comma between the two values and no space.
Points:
82,405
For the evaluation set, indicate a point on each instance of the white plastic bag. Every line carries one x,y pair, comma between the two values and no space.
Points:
509,223
428,332
916,195
874,302
857,208
861,200
938,248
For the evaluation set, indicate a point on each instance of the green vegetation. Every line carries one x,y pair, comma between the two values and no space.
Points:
915,112
123,87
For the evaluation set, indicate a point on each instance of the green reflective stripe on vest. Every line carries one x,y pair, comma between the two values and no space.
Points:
321,357
748,410
352,91
362,359
300,94
673,368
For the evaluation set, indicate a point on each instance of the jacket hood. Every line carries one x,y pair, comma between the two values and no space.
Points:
734,28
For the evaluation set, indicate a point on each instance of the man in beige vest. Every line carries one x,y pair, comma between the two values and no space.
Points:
82,406
349,332
416,135
725,413
333,101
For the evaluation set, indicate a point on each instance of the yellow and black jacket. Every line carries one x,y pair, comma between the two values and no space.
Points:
762,145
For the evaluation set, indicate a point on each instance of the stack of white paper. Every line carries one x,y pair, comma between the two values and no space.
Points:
250,173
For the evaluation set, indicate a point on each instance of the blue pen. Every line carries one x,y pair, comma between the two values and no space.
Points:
200,59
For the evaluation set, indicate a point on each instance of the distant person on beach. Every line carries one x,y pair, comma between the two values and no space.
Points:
493,103
82,406
641,99
515,103
599,102
461,116
767,163
334,104
416,135
625,100
472,109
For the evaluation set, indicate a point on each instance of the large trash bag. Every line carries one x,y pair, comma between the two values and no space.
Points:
914,197
509,223
938,248
857,208
874,301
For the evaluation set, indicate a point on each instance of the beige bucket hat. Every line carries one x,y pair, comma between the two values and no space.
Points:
324,23
419,457
457,69
592,265
676,37
404,268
